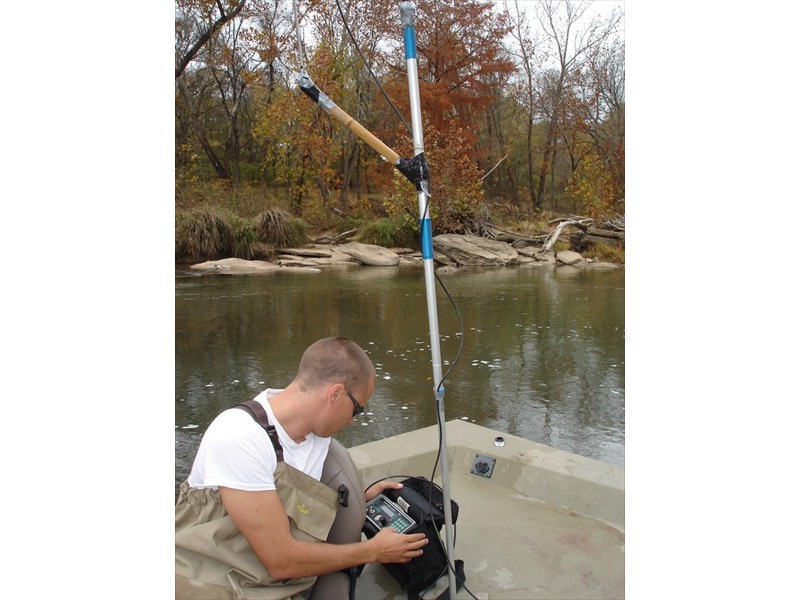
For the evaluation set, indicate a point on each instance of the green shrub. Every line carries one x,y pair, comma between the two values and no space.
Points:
592,184
389,233
245,238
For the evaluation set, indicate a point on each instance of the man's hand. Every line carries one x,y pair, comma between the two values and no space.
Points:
393,547
379,487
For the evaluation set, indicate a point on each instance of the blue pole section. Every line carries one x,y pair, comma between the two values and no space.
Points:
427,239
407,15
410,39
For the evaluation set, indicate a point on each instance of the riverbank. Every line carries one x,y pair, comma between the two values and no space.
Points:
210,235
451,251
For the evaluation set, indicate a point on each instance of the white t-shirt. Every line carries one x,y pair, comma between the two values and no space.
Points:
236,452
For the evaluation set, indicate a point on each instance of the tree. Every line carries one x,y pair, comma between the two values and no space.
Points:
608,118
596,117
527,53
193,103
460,57
455,190
593,186
229,67
196,22
552,59
216,90
351,33
503,120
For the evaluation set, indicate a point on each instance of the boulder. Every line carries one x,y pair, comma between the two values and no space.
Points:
548,258
471,250
568,257
446,270
531,251
443,259
293,261
235,264
315,252
368,254
238,265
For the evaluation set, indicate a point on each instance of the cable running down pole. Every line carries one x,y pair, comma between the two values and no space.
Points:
419,167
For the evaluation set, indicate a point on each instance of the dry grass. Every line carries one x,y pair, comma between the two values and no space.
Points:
277,227
202,234
606,253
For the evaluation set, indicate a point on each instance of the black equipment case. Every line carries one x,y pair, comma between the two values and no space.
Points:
423,501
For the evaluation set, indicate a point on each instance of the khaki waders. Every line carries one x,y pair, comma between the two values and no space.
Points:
214,561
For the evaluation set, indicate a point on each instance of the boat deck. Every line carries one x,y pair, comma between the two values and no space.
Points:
547,524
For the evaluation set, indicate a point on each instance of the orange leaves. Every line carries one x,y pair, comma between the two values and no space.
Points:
455,187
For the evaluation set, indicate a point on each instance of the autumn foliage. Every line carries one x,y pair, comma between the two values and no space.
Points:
456,193
538,87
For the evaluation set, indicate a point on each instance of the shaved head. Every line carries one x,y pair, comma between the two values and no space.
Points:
335,360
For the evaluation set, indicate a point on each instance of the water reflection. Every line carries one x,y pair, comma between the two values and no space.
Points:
543,349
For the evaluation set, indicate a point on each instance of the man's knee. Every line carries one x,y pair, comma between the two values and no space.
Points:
334,586
339,469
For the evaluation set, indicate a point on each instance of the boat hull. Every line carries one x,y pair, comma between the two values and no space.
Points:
545,524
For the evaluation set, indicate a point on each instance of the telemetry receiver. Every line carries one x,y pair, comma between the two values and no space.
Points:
382,512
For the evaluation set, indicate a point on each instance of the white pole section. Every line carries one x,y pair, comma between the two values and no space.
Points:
407,11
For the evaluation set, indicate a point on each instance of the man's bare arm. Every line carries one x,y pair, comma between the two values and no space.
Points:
260,516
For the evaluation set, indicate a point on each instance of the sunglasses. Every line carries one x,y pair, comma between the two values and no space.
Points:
357,408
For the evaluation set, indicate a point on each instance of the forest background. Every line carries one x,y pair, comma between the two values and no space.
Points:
523,106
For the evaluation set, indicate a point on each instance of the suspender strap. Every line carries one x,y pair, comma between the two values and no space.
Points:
260,415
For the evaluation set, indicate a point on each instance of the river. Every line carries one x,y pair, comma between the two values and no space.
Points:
543,353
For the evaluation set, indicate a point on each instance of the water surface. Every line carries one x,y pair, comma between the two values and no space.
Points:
543,349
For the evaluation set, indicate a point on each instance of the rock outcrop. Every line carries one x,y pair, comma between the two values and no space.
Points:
474,251
368,254
451,251
239,265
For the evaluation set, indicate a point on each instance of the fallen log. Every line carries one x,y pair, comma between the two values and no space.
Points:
551,239
605,233
502,235
336,238
580,241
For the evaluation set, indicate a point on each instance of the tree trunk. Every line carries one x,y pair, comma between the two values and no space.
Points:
347,175
222,172
232,152
531,186
358,174
545,165
296,205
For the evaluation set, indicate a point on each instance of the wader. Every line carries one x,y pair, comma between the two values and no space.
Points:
214,561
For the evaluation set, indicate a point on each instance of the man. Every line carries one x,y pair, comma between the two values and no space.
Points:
253,520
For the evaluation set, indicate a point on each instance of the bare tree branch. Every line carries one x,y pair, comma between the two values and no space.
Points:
551,240
494,167
201,41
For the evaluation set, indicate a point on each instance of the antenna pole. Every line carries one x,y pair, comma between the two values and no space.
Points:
421,181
